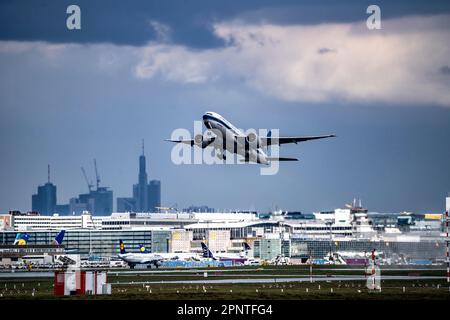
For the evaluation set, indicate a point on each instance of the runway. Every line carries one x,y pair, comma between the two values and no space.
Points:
280,280
27,274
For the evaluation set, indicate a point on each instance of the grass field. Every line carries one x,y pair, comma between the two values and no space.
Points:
138,285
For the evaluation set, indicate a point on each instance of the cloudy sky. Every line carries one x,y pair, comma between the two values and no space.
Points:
142,70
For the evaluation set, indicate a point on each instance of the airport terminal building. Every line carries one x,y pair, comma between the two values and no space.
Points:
342,230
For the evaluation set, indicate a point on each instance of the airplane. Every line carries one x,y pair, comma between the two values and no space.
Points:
172,256
250,146
236,258
59,238
139,258
22,238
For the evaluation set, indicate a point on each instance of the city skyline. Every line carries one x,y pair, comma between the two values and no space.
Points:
142,71
146,196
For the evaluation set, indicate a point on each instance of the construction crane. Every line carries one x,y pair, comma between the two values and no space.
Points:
87,180
97,177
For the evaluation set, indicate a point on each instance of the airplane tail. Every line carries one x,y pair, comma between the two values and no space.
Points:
21,239
16,240
122,247
143,249
206,252
59,238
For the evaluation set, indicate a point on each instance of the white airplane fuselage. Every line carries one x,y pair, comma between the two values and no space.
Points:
140,258
232,139
179,256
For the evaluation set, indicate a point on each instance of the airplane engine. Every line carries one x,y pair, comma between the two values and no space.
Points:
198,139
203,142
251,138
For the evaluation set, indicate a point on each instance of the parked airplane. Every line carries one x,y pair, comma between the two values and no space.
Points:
250,146
139,258
59,238
236,258
172,256
22,239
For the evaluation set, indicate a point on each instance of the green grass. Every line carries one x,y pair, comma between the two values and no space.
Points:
123,288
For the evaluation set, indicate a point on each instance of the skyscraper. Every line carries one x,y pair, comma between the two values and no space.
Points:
141,189
154,195
99,202
146,196
126,204
44,201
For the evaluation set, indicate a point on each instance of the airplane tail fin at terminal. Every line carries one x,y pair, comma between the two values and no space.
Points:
122,247
206,252
143,249
16,240
59,238
21,239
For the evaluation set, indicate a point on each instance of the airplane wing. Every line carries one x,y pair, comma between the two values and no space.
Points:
192,142
189,142
281,159
267,141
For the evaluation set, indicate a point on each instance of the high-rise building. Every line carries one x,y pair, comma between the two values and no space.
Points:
146,196
154,195
126,204
62,209
44,201
99,202
141,189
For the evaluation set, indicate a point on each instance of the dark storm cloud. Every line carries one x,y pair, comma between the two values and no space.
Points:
123,22
67,104
445,70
